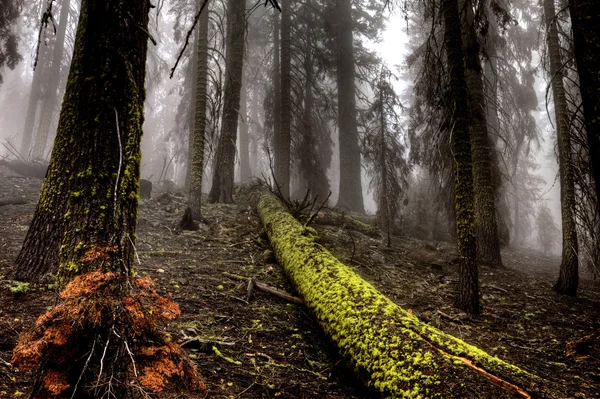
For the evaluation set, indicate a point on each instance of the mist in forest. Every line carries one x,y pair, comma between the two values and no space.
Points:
397,108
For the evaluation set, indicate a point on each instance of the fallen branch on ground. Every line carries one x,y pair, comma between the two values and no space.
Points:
267,288
401,356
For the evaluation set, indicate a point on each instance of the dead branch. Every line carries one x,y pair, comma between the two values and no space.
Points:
267,288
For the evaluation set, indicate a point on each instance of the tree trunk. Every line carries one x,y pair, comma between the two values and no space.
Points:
276,95
585,20
400,355
39,79
244,150
350,193
468,283
86,345
193,72
486,230
224,171
50,102
384,216
569,274
283,176
197,156
81,205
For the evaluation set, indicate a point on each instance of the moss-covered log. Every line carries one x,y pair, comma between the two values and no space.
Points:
401,356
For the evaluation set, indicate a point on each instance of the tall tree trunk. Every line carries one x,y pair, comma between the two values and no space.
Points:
197,156
585,20
569,274
350,193
90,195
486,230
491,95
276,95
222,184
468,283
35,96
50,101
244,150
92,188
383,213
193,71
283,176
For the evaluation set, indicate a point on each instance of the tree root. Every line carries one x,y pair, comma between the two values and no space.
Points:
103,335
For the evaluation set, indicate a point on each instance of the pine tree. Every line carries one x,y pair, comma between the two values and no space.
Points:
87,213
223,174
569,268
468,284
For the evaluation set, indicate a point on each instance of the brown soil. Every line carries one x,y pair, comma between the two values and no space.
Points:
273,348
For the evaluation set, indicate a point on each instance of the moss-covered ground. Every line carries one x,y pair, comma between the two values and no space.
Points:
282,351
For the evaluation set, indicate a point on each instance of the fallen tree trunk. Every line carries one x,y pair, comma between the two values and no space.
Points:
401,356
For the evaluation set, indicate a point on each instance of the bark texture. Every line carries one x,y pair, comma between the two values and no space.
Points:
569,268
276,94
90,195
585,19
283,171
197,156
400,356
244,147
350,193
224,170
486,230
468,282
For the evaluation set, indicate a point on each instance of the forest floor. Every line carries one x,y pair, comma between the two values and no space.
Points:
273,348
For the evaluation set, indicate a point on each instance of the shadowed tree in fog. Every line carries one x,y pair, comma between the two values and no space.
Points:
53,79
488,244
350,192
383,152
197,144
468,283
585,21
285,139
569,274
9,44
223,174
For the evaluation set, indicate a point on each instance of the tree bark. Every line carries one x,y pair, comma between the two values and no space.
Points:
486,230
244,148
283,176
468,283
350,192
90,194
585,21
400,355
197,155
569,268
224,171
51,99
276,94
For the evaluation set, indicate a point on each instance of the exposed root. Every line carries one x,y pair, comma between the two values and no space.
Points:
102,337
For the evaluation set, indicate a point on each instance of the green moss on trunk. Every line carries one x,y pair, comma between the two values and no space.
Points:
402,356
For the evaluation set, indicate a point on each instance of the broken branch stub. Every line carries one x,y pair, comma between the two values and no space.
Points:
401,356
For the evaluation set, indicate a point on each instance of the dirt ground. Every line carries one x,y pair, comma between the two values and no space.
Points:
270,347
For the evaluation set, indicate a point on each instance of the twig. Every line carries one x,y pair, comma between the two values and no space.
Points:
314,215
87,361
267,288
187,37
120,165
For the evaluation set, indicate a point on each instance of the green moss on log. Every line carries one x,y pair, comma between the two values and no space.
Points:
402,356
